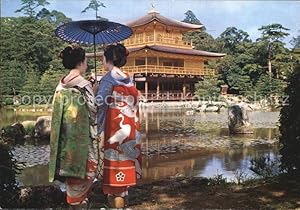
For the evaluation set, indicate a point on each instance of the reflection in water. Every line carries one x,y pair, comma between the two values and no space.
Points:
193,163
162,129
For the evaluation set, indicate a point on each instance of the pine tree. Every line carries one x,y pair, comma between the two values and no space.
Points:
95,5
29,6
273,35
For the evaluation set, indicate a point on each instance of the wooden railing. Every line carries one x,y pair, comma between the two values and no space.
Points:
149,40
168,70
153,69
165,96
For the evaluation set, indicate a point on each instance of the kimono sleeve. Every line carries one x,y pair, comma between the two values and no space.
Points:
56,121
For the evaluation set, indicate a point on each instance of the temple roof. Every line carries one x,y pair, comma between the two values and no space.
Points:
154,15
176,50
166,49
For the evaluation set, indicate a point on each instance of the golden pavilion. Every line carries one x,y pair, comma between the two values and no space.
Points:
164,66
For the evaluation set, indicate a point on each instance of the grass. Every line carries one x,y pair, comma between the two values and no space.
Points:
280,192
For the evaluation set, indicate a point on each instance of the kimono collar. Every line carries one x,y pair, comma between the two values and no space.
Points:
120,76
78,81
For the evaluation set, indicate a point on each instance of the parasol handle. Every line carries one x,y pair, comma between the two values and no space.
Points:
95,58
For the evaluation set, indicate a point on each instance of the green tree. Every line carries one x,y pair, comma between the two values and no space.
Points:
28,48
233,74
50,79
296,41
201,40
29,41
190,17
208,88
31,86
95,5
55,17
29,6
244,69
231,37
11,77
269,87
272,36
290,125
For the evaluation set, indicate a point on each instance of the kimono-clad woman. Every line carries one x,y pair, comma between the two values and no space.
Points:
73,143
117,101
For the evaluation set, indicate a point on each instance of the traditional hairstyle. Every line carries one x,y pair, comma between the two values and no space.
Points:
116,54
72,56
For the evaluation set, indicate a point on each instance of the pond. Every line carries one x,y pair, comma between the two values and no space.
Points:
174,144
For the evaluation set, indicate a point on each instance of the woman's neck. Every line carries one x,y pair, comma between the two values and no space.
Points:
72,74
75,72
111,68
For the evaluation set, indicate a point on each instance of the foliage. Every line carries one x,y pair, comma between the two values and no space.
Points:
231,37
190,17
29,41
296,41
28,48
55,17
240,176
9,190
217,180
29,6
290,125
273,32
245,66
49,81
95,5
30,89
11,78
203,41
208,88
272,36
244,69
267,86
265,166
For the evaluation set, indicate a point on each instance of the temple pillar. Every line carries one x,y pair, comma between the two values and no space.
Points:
146,62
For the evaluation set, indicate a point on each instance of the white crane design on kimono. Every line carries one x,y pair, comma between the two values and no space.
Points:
121,134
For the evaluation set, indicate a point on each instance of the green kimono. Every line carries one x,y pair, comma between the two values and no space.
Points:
70,139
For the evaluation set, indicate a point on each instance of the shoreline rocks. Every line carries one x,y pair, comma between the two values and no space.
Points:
29,129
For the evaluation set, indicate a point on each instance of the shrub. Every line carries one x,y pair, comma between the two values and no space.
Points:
290,125
9,191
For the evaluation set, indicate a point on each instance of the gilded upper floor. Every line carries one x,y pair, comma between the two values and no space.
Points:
155,29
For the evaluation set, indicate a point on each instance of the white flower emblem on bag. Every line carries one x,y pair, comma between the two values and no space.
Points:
120,177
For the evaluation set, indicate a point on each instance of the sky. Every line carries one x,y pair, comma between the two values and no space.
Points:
215,15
